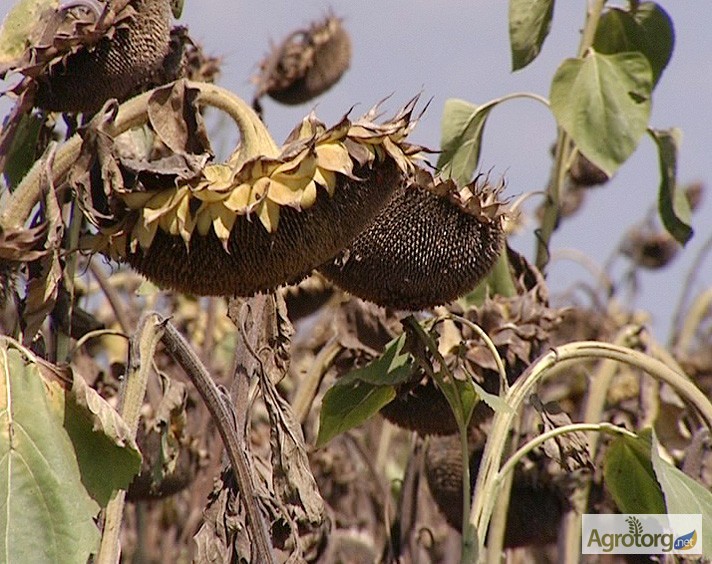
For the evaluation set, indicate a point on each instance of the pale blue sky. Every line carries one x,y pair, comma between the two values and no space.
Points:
460,49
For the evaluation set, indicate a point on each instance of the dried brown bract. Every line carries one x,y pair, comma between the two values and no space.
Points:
306,64
431,244
650,248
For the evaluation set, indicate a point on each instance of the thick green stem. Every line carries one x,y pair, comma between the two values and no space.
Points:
255,140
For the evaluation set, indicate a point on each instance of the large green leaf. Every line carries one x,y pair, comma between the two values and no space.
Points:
603,103
462,126
648,30
673,205
46,514
360,394
529,24
346,407
684,495
629,477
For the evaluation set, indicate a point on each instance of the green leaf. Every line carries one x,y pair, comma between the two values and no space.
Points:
462,127
346,407
46,514
629,477
673,205
603,103
529,24
21,153
494,401
648,30
107,454
18,25
683,494
393,367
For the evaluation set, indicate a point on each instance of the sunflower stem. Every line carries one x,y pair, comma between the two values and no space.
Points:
255,140
486,488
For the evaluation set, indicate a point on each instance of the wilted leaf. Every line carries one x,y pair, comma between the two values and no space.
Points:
569,450
629,477
495,402
603,103
673,205
462,126
107,454
18,244
346,407
47,514
45,274
647,30
683,494
529,24
174,116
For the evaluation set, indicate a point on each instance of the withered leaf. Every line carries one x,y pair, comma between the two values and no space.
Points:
569,450
22,244
45,274
222,525
176,119
96,173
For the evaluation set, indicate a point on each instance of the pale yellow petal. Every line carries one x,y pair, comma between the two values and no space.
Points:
268,213
217,173
185,219
284,194
210,196
238,199
334,156
136,200
326,178
223,221
308,195
203,221
159,204
144,233
259,190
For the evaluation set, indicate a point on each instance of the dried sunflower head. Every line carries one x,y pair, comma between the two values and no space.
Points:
432,243
81,54
306,64
266,219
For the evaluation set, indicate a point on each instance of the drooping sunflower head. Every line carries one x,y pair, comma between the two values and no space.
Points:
306,63
262,220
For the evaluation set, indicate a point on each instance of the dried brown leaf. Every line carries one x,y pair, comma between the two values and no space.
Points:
45,274
176,119
19,244
569,450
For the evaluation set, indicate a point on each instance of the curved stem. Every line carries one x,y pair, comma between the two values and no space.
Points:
485,488
134,113
697,312
504,385
541,439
